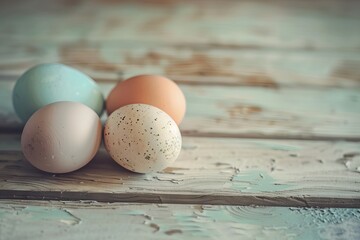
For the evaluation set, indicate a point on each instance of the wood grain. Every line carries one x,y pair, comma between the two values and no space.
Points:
234,24
220,111
216,66
193,42
94,220
258,76
208,171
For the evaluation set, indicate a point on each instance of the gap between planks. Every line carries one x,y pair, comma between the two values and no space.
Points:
218,81
185,133
213,199
209,171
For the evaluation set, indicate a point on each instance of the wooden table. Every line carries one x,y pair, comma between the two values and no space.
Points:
271,136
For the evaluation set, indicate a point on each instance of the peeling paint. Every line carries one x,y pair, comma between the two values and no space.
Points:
74,221
351,161
173,231
136,221
198,208
239,110
255,181
35,213
166,178
282,223
174,170
155,227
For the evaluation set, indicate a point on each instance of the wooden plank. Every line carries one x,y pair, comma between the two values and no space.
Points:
93,220
250,24
189,65
192,44
299,113
272,113
208,171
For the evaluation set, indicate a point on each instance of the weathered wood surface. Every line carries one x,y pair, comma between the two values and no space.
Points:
254,24
250,112
249,69
209,170
92,220
257,43
189,65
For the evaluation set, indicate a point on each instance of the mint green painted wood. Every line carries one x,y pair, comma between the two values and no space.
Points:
247,43
295,112
208,170
93,220
251,112
191,65
305,53
260,24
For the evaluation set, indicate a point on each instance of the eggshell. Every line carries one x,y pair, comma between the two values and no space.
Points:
61,137
153,90
142,138
48,83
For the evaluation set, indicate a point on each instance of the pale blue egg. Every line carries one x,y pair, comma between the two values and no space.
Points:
48,83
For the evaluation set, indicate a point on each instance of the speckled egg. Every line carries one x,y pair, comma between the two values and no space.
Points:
61,137
48,83
142,138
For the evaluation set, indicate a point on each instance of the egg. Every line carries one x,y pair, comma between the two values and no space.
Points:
153,90
142,138
48,83
61,137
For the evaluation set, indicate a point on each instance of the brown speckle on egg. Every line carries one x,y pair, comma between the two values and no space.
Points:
148,144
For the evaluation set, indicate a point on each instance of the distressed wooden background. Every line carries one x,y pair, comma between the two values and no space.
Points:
271,133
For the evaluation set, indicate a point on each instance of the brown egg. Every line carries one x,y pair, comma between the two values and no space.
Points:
153,90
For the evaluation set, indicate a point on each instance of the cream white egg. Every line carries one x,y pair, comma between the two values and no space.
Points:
142,138
61,137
